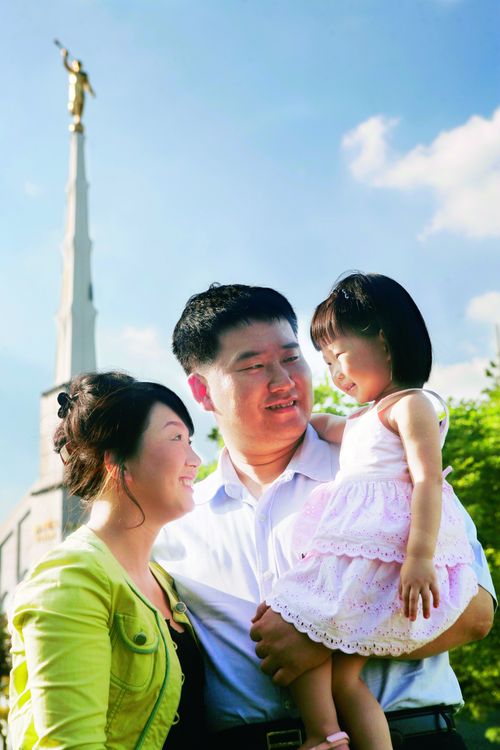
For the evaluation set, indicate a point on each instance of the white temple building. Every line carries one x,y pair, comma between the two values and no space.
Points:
46,514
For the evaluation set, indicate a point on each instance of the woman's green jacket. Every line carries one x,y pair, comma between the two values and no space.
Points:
93,663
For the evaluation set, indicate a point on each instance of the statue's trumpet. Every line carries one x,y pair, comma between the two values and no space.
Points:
60,46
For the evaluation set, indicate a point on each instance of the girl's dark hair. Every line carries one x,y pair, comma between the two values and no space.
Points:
366,303
106,412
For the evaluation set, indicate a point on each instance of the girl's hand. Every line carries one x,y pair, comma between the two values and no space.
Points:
418,579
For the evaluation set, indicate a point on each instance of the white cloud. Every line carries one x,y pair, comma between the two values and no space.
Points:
461,167
485,308
459,380
370,140
140,351
31,189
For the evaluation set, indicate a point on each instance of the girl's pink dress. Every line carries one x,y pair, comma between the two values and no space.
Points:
350,539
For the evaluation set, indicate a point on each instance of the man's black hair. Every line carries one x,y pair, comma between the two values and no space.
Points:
218,309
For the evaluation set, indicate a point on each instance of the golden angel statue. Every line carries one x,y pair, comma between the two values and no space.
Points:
78,84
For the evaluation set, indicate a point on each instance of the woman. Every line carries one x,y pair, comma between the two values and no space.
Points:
100,641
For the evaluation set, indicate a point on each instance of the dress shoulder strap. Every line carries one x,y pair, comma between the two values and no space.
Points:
391,399
444,420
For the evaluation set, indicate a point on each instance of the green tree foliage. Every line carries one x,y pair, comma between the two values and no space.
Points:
207,469
326,399
4,648
473,450
5,665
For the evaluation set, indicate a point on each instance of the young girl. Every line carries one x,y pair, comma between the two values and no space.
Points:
384,541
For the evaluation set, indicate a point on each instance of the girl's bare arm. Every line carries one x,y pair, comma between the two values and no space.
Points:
415,419
330,427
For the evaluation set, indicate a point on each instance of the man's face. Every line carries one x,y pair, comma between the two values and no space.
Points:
259,386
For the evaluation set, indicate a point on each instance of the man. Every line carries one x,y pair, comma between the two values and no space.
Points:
238,346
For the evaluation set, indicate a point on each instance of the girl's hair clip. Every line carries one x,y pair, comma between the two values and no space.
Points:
346,294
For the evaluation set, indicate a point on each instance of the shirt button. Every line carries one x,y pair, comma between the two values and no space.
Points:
288,705
140,639
180,607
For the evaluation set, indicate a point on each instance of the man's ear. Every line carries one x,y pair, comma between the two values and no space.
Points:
199,389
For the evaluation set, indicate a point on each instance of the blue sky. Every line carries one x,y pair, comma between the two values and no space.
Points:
275,142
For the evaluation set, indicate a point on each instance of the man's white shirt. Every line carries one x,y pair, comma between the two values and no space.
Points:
225,557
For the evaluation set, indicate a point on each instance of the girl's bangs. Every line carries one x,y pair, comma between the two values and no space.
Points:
324,325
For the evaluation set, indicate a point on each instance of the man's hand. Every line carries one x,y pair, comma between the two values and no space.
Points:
285,653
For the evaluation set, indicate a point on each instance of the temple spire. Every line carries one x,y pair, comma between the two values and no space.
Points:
76,316
47,513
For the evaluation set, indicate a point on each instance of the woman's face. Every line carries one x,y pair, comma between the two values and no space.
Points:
162,473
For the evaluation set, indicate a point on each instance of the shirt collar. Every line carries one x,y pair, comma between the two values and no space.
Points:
314,458
228,476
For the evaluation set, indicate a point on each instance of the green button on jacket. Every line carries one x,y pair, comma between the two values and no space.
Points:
93,663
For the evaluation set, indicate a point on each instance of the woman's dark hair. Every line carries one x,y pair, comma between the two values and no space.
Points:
366,303
103,412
